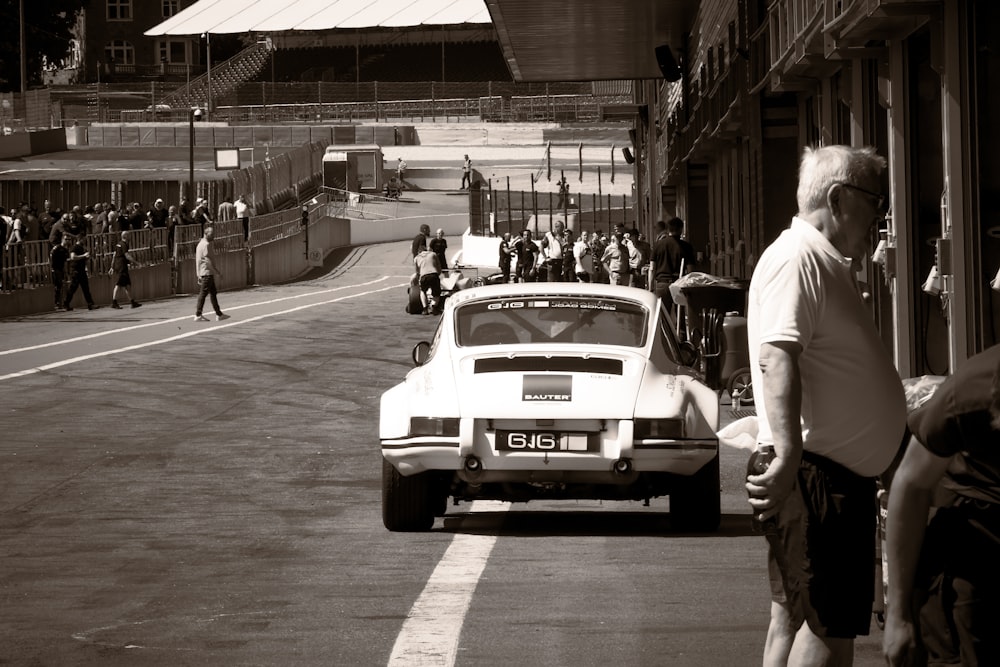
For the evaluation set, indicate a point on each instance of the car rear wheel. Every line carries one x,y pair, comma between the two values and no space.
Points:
408,503
741,384
696,503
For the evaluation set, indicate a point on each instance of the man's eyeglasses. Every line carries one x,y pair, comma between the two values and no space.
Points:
878,198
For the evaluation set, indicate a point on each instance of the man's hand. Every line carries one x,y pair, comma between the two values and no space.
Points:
770,490
899,643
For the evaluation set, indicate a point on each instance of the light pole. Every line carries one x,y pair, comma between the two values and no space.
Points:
193,115
208,58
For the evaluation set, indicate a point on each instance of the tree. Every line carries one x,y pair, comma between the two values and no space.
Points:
48,29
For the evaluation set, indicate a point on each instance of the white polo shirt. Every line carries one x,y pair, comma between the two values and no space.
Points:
853,406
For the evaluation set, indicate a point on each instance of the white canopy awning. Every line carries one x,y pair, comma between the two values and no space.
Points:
237,16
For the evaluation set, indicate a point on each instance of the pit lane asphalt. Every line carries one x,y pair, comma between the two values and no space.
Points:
185,493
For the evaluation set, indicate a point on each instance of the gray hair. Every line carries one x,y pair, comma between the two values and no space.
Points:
822,167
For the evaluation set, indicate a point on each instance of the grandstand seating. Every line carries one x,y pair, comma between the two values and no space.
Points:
225,77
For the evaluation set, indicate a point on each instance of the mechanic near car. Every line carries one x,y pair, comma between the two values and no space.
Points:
429,279
831,405
420,240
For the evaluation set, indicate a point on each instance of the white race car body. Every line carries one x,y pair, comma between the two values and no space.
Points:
558,390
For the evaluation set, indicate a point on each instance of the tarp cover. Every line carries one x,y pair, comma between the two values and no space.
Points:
238,16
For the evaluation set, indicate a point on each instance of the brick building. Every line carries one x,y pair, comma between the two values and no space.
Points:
114,47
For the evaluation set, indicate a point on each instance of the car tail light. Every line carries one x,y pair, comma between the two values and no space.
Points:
665,429
442,426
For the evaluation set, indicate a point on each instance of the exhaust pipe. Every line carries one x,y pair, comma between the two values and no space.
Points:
622,466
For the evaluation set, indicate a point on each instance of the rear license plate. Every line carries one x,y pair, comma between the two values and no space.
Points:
545,441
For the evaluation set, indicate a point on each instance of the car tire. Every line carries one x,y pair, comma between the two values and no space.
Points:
696,502
408,503
414,305
741,383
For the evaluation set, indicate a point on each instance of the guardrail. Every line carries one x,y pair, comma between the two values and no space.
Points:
363,205
27,265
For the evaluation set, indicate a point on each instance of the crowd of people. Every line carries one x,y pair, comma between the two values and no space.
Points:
625,257
26,223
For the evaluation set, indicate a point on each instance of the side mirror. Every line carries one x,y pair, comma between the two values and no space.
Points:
421,353
689,354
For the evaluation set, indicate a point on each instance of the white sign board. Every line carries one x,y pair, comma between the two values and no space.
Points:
227,158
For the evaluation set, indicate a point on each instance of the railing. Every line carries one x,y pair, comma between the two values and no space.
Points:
275,226
228,237
360,205
226,75
27,265
344,102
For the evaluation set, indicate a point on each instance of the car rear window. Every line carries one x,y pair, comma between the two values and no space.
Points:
551,320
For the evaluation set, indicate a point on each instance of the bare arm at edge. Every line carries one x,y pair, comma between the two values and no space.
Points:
782,393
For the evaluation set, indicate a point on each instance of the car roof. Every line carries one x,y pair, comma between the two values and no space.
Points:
646,297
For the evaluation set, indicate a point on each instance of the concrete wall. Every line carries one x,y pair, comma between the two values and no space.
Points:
20,144
364,232
233,266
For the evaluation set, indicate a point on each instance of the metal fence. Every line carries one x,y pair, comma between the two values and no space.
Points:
255,102
27,265
513,210
362,205
229,237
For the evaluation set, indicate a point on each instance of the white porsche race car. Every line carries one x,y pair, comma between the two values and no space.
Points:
550,390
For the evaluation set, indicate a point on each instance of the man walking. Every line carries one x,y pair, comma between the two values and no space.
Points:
831,407
78,256
58,257
466,173
207,272
119,267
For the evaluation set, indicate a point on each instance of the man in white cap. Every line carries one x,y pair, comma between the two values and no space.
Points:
156,217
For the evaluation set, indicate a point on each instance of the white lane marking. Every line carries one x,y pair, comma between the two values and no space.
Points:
185,317
431,631
196,332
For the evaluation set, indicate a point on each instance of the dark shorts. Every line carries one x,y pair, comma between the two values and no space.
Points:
122,279
958,585
822,557
432,282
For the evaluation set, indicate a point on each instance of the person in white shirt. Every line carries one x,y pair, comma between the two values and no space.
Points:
207,272
584,258
830,405
243,214
552,250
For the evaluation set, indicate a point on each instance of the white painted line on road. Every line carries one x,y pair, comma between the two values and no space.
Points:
185,317
196,332
431,631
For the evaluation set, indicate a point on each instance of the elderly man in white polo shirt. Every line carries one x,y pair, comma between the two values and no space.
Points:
830,406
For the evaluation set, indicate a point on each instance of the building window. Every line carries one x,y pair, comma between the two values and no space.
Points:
173,51
170,7
119,10
119,52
